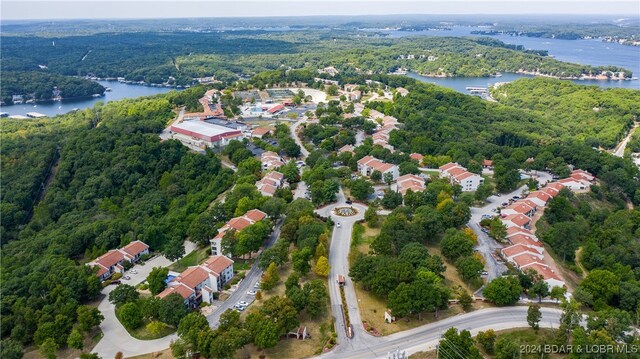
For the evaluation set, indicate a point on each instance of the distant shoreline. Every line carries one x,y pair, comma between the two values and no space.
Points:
535,73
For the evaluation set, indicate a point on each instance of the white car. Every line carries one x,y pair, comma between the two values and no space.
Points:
242,303
133,271
251,292
338,224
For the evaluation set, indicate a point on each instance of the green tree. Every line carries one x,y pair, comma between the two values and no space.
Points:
469,268
388,178
10,349
533,316
190,327
123,294
174,249
465,300
270,278
371,216
487,340
75,340
391,200
603,285
88,317
503,290
130,315
300,259
48,348
376,176
484,191
558,293
274,207
156,279
361,189
457,345
540,289
456,244
506,348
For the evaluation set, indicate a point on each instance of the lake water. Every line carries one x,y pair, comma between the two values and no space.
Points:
588,52
118,91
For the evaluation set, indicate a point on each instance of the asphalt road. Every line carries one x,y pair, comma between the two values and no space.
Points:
426,337
294,134
487,245
339,262
245,285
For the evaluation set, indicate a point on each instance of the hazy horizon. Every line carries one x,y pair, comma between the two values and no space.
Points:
149,9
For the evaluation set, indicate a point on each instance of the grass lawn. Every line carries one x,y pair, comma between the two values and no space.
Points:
164,354
432,173
243,264
143,334
191,259
451,277
372,310
362,237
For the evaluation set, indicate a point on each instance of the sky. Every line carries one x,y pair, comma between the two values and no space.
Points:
147,9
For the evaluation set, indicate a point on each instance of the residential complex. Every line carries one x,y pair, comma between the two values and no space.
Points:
459,175
271,160
410,182
270,183
236,224
200,283
368,164
112,261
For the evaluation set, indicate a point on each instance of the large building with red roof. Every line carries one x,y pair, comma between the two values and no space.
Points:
459,175
204,134
200,283
368,164
113,261
237,224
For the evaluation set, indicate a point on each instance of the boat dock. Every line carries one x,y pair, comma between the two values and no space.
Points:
36,115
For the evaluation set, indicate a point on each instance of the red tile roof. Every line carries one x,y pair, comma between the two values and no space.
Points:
260,131
544,270
525,259
276,108
515,230
456,171
218,263
448,166
192,277
487,163
518,219
136,247
524,240
540,195
238,223
416,156
517,249
255,215
184,291
110,258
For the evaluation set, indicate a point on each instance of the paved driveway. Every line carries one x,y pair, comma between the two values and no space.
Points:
339,262
116,338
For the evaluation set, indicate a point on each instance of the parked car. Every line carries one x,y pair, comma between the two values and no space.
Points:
485,273
257,285
516,197
242,303
126,277
251,292
504,204
239,308
338,224
348,201
133,271
117,281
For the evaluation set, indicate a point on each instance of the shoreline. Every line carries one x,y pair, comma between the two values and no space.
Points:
63,99
532,73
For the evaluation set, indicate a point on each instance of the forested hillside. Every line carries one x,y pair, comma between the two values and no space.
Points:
40,85
154,57
115,182
599,117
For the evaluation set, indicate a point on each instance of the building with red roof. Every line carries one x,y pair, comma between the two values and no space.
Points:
410,182
459,175
368,164
204,134
528,241
416,156
548,275
517,220
236,224
200,283
515,250
112,261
